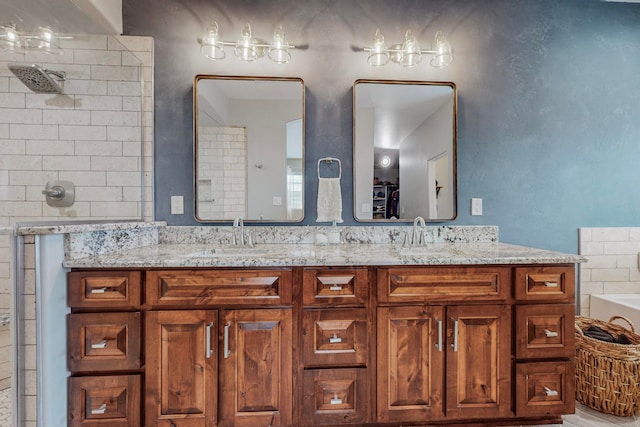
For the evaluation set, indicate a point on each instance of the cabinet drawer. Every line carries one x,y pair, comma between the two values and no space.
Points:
103,341
545,331
545,284
104,289
334,337
545,388
441,283
189,288
336,396
112,401
332,287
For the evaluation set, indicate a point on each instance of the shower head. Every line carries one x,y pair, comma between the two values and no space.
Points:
37,78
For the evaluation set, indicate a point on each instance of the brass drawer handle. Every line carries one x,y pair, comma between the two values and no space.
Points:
335,339
551,284
99,411
336,400
101,344
550,334
550,392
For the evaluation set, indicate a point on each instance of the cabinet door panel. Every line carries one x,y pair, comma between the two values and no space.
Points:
410,364
181,368
479,361
255,368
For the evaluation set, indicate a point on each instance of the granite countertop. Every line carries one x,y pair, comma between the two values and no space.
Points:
283,255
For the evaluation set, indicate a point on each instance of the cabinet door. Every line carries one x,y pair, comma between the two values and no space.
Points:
256,368
410,363
479,361
181,368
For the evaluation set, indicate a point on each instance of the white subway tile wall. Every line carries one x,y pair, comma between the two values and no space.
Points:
613,262
97,134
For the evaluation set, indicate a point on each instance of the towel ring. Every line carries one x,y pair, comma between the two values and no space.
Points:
329,160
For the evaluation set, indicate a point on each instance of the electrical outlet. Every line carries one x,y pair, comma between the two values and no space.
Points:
476,206
177,205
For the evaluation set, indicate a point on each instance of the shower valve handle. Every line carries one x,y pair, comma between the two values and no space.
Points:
55,192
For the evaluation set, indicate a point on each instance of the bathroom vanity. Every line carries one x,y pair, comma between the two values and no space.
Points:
302,335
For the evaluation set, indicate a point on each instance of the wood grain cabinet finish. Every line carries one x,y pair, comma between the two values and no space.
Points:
545,283
104,341
432,284
218,287
256,385
334,338
410,364
335,396
324,287
100,401
181,386
479,363
105,290
545,388
545,331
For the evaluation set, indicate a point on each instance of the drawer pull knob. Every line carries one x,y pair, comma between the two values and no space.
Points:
335,339
101,344
455,335
336,400
98,290
99,411
550,392
551,284
335,288
550,334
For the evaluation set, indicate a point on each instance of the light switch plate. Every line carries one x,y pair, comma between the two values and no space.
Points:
476,206
177,205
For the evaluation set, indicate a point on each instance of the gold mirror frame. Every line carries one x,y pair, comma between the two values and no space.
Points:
412,125
243,164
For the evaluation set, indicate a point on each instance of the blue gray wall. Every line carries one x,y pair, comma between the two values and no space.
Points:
548,92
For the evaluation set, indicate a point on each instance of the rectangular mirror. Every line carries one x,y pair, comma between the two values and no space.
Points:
248,148
404,150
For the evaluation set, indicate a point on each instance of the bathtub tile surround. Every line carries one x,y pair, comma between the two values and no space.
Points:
613,262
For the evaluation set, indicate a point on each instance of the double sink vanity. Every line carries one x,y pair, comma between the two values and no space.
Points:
194,331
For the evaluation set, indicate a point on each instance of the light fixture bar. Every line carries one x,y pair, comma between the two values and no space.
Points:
408,54
45,40
247,47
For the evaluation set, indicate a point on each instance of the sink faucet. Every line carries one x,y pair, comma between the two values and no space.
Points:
238,229
238,226
417,235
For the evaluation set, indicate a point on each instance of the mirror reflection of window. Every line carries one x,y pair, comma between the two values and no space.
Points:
295,182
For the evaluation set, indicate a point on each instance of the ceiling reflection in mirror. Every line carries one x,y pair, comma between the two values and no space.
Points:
405,137
249,148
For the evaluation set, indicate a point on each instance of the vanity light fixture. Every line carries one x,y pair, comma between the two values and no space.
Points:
44,40
247,47
408,53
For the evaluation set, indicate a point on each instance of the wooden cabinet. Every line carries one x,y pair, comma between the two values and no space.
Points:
181,386
104,348
410,363
256,368
321,346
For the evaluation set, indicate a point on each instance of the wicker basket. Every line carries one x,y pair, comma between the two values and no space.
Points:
608,374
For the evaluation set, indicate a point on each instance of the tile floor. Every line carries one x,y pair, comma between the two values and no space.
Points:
584,416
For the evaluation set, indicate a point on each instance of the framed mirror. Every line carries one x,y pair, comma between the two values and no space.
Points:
404,150
248,148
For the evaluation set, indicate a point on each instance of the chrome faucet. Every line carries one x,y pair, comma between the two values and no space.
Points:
238,226
417,235
238,230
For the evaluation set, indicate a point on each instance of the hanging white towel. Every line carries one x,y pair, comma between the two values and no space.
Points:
329,200
329,195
